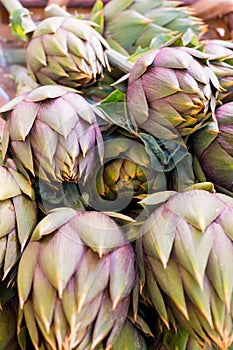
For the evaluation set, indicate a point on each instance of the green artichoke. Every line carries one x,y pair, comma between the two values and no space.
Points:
74,281
144,20
126,173
66,51
52,132
187,244
213,151
173,89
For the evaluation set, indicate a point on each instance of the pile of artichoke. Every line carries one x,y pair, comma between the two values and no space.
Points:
116,166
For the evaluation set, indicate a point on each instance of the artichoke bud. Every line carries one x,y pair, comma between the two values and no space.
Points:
56,136
182,102
79,298
67,51
182,251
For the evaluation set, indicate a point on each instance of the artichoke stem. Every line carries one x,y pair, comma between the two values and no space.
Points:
119,61
11,5
54,10
21,22
12,56
23,80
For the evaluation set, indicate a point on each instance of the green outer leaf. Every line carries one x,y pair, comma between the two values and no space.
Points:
159,233
200,298
55,219
8,329
22,119
60,255
10,188
192,249
43,92
107,318
7,217
116,6
87,315
31,322
92,277
26,268
197,207
218,310
23,152
59,115
98,231
35,56
122,273
219,269
170,281
129,338
23,184
61,328
226,221
43,298
105,321
175,340
11,104
69,302
12,252
156,296
24,208
203,138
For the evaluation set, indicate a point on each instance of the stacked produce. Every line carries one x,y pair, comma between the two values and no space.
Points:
116,208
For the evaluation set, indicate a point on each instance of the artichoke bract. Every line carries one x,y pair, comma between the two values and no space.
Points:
8,324
213,151
74,281
52,131
66,51
220,54
16,204
144,20
188,252
171,88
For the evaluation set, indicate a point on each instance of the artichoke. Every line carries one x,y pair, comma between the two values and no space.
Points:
144,20
187,244
52,132
213,151
74,281
220,54
126,173
173,89
66,51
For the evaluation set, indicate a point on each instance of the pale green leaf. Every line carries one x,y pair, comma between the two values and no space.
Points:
170,282
10,188
24,208
7,218
122,273
27,265
43,298
55,219
159,233
92,278
98,231
60,255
